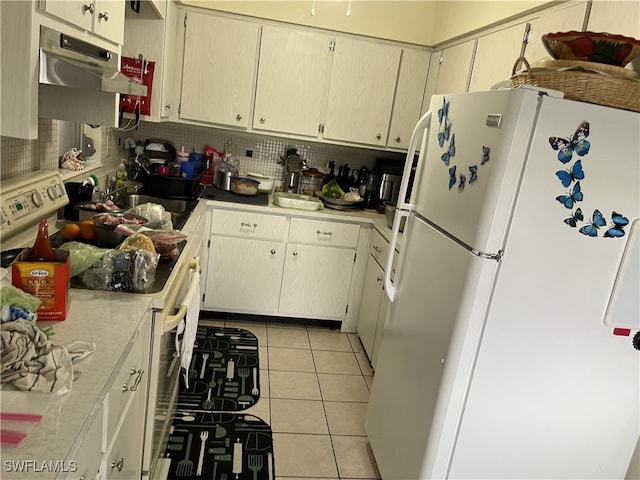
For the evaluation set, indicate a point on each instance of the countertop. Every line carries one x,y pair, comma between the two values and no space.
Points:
367,216
64,416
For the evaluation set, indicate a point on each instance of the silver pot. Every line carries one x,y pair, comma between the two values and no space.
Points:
224,180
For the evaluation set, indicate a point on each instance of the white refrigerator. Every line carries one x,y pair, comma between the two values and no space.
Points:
509,350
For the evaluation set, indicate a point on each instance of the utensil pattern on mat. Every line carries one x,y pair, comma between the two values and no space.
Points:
229,356
244,444
185,466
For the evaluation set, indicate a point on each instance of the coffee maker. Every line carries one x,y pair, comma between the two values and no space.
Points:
293,166
389,187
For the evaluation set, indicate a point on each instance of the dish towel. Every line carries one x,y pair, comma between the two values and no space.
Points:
31,362
186,330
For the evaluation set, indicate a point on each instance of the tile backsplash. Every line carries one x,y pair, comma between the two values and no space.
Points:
265,151
19,157
257,153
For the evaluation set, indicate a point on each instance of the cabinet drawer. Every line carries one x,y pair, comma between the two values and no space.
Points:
378,248
133,374
249,225
329,234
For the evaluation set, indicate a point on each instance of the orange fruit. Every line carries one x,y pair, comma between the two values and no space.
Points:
88,230
70,231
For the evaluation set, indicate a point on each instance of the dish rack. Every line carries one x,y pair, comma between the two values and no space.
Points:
582,84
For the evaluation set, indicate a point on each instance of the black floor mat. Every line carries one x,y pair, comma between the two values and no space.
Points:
224,374
220,446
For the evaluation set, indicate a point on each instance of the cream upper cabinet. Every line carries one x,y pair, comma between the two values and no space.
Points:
620,17
564,19
108,20
218,72
102,17
293,75
408,100
495,56
363,79
450,68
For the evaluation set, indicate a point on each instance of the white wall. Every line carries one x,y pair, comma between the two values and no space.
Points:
423,22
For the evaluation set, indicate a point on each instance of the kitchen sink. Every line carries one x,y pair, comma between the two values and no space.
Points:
180,209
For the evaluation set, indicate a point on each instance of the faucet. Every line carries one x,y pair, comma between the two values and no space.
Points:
110,195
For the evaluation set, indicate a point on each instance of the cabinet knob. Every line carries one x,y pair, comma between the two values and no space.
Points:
295,254
397,139
378,279
89,8
378,136
273,251
167,106
104,16
262,120
238,117
119,464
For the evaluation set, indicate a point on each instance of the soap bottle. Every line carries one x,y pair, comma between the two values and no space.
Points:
41,250
121,176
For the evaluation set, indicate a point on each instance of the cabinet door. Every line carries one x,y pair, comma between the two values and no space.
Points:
76,12
363,80
555,20
495,55
293,74
220,56
371,292
453,69
244,275
124,459
383,310
408,100
108,20
316,281
621,17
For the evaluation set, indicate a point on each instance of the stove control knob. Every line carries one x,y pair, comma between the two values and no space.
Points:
36,198
52,192
61,191
636,341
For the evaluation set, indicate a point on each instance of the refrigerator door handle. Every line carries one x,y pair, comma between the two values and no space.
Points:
389,288
419,134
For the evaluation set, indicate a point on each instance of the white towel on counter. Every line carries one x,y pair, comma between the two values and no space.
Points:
186,330
31,362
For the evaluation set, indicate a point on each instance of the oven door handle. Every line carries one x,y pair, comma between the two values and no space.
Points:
172,321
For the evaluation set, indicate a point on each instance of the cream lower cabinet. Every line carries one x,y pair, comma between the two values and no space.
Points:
111,444
246,257
316,281
244,274
318,268
269,264
374,305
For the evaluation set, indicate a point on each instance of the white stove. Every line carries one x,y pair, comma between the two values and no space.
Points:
24,201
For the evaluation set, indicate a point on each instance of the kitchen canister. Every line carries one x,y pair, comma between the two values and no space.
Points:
310,181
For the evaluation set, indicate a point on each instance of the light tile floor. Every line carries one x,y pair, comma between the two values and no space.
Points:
315,385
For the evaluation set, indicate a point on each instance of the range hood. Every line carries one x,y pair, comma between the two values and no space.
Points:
69,62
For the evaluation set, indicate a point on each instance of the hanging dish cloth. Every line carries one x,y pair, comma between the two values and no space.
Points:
186,330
